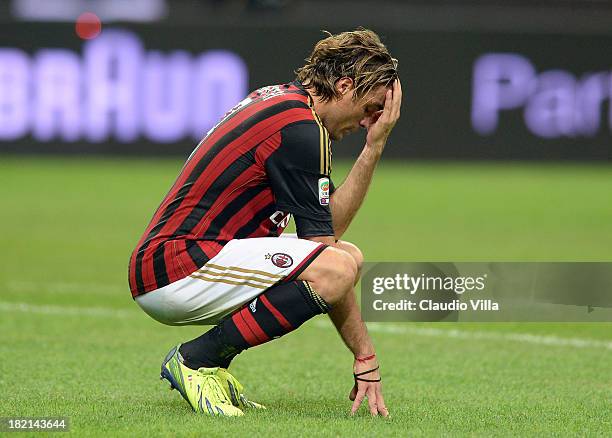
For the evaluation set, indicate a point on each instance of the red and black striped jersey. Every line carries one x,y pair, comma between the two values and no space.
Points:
268,158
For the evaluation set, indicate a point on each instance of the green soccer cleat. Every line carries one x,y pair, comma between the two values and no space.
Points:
234,389
202,389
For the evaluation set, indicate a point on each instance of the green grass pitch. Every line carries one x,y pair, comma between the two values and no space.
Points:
74,344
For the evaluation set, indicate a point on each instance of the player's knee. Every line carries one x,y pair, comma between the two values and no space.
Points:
344,274
356,253
347,269
336,274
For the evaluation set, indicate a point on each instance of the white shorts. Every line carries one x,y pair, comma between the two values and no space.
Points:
243,270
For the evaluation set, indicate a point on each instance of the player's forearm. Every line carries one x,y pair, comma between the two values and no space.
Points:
346,316
348,198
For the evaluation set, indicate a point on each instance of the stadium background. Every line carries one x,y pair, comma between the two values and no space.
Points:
502,153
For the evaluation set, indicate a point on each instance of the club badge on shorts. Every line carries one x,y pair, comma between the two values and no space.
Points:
324,191
282,260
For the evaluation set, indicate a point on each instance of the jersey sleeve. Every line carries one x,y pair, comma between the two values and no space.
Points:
299,174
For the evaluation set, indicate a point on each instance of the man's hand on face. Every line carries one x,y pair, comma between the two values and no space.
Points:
382,122
371,390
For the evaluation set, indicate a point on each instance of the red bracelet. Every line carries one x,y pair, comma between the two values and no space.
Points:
363,359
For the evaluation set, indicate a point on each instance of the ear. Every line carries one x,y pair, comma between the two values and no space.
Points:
344,85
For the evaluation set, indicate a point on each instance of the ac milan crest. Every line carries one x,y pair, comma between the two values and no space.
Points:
282,260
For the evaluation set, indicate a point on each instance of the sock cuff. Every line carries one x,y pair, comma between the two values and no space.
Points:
312,297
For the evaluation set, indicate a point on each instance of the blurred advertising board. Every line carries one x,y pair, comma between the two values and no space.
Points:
157,89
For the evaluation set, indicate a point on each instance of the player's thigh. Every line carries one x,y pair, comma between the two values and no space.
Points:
243,270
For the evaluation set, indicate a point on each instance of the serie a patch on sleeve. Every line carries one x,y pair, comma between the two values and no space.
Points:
324,191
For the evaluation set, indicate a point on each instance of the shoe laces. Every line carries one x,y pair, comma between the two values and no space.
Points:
215,385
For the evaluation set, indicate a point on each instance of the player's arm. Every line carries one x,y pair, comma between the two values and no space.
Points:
347,199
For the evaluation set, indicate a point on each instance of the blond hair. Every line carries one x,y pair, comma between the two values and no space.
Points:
358,54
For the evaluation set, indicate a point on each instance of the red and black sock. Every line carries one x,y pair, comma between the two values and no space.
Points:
279,310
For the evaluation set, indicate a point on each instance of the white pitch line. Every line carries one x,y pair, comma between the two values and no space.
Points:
470,335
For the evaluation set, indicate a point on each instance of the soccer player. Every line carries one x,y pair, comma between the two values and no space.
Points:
212,254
